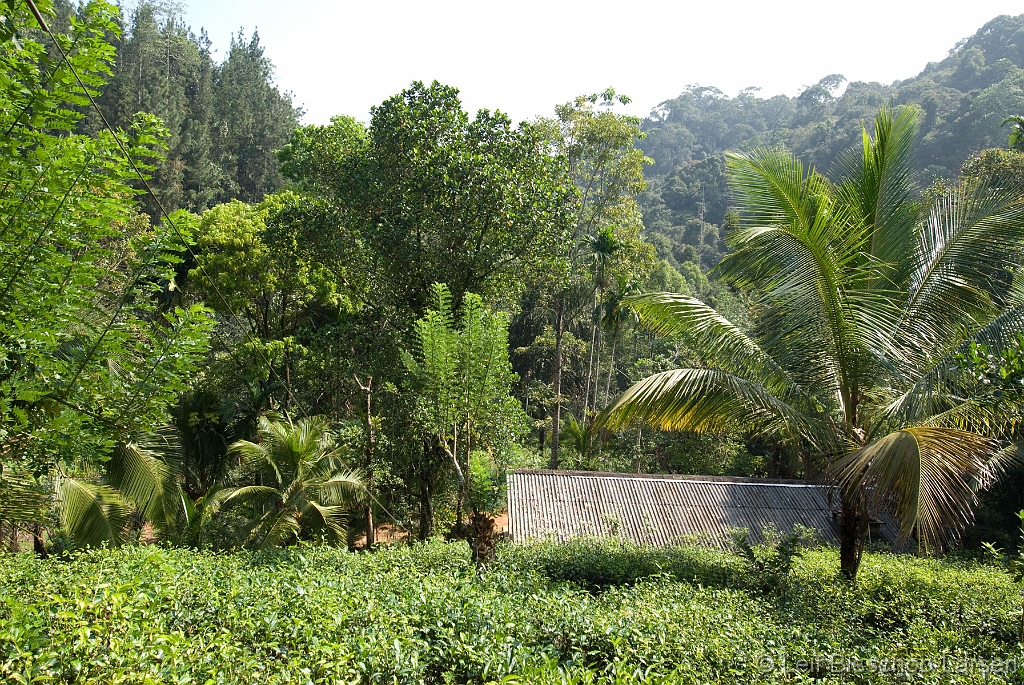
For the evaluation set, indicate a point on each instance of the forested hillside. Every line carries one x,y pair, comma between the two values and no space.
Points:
224,119
307,329
962,100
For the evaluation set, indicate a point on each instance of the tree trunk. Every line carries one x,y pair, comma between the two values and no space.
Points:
427,469
611,372
426,512
371,537
556,410
287,359
853,526
38,546
463,483
483,538
639,437
774,462
371,533
590,364
457,531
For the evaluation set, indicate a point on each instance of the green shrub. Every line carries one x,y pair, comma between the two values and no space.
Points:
768,564
583,612
597,564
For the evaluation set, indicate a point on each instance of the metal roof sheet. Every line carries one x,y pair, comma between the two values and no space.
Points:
667,509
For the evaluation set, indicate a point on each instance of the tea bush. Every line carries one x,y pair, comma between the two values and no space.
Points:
584,612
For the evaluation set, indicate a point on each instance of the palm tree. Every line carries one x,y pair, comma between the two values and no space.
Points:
615,317
603,247
864,300
200,525
94,504
308,492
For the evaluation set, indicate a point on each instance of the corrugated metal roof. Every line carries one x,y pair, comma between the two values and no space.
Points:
666,509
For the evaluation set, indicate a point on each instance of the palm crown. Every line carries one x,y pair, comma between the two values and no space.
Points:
307,490
864,298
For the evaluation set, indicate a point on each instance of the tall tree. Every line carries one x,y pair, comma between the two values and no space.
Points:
162,69
223,122
476,204
607,169
253,119
865,300
256,268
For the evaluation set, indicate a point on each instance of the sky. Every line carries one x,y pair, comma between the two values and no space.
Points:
524,57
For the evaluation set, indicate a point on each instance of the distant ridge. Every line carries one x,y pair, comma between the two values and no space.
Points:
963,99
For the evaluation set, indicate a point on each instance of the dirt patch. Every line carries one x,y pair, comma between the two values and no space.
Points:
501,523
387,533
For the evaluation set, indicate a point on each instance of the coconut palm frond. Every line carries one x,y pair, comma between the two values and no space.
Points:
942,383
708,400
276,529
722,344
329,519
342,488
147,482
802,264
260,496
879,187
1002,462
94,515
960,262
986,416
773,188
928,472
22,500
255,456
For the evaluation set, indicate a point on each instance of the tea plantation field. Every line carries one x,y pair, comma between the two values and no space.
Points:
586,612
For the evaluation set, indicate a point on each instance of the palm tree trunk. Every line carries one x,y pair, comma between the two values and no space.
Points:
611,371
853,527
590,363
556,410
426,512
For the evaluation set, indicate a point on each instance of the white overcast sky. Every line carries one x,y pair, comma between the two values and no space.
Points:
342,57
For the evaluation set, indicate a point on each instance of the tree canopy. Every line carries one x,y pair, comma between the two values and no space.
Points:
437,197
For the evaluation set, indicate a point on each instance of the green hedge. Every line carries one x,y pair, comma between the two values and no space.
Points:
584,612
